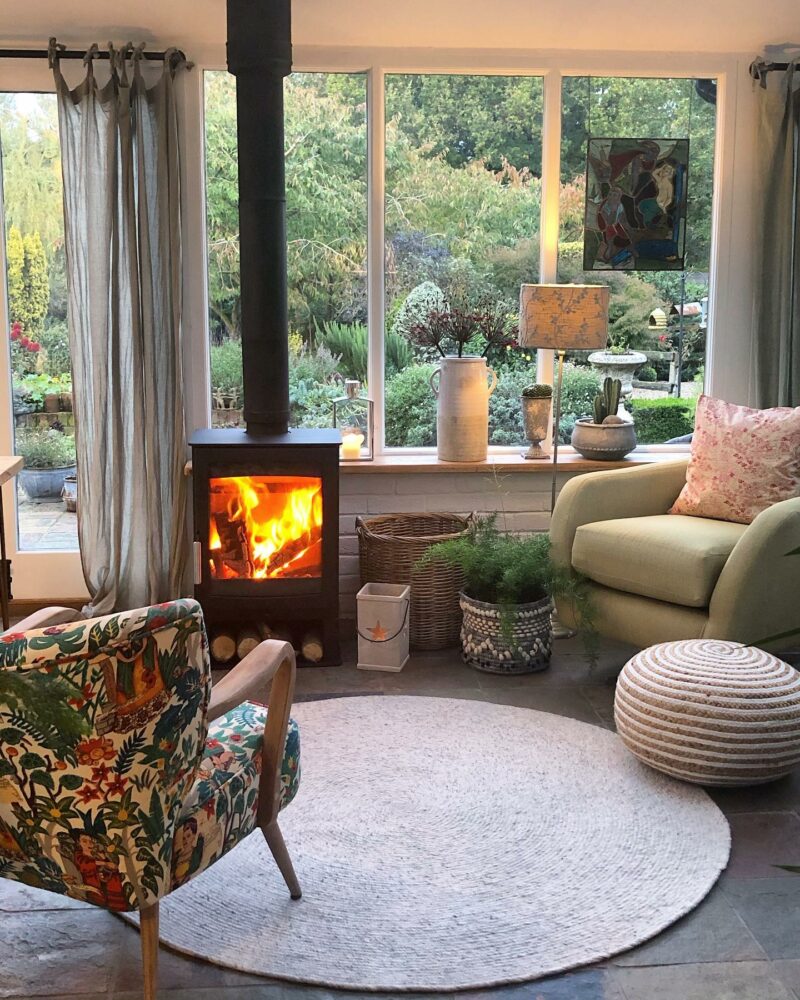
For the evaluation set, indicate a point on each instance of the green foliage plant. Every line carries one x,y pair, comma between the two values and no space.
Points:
54,341
349,341
410,409
606,402
662,418
511,570
28,281
422,300
46,449
34,388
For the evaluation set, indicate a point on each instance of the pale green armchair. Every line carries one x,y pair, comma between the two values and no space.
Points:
658,577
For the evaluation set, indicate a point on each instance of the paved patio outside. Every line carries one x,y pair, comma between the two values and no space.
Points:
741,943
46,526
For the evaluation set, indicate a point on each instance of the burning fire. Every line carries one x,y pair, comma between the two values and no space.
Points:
265,527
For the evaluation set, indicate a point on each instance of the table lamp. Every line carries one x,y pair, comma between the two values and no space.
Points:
562,318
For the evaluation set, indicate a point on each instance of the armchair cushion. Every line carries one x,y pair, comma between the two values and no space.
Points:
668,557
221,807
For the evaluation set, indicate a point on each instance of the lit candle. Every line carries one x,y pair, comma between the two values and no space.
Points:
351,445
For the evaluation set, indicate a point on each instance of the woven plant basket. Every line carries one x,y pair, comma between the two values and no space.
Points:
391,545
520,645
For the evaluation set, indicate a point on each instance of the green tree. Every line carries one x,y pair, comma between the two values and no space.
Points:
28,284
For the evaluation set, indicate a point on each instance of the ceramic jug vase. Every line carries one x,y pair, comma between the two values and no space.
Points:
462,388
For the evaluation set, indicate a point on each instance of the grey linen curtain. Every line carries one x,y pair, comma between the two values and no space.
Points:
776,358
119,148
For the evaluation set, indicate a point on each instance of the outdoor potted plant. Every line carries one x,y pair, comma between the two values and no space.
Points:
536,403
507,600
618,363
49,456
460,383
605,435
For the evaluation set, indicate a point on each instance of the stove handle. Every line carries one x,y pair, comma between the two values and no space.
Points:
197,553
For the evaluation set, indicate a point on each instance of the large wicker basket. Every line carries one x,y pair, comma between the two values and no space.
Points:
391,545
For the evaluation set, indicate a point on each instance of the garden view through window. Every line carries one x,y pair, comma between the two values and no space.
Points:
326,221
43,423
463,186
665,378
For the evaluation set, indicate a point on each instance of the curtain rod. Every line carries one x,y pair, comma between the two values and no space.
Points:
758,67
76,54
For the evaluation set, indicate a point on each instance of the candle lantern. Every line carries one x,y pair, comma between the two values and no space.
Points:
352,415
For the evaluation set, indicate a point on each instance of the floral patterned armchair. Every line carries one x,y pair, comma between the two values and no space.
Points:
122,774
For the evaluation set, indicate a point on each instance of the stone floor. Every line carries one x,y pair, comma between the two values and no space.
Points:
742,943
46,526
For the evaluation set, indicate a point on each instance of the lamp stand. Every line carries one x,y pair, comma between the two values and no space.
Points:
559,631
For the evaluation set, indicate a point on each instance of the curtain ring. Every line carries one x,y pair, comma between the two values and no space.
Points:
88,59
54,50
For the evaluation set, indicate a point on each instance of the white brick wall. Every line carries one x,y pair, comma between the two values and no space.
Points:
521,498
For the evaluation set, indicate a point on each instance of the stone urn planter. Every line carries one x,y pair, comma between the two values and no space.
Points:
621,366
45,484
607,442
502,640
462,390
536,406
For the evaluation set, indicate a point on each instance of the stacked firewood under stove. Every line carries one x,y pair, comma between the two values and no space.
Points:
228,645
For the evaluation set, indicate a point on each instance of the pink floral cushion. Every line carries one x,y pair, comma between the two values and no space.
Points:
742,462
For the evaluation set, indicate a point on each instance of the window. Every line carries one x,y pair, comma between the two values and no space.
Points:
463,162
44,430
463,200
646,306
326,194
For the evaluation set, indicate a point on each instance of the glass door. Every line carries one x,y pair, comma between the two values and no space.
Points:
35,381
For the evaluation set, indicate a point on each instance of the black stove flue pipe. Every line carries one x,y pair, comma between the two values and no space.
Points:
260,56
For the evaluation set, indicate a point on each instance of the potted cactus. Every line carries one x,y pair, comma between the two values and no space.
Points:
536,402
605,435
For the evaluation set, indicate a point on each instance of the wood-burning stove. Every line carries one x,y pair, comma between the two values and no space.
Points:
266,522
266,502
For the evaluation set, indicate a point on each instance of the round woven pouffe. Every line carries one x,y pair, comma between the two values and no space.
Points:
710,712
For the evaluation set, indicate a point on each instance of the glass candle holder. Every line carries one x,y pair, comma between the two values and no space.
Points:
353,416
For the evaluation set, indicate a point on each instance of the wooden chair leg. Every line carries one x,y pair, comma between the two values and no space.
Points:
277,845
148,927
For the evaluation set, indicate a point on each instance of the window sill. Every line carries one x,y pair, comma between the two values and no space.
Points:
568,461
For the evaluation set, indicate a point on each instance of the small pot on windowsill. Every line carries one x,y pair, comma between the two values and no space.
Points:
610,441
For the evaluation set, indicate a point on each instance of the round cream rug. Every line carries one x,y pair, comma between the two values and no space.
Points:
446,844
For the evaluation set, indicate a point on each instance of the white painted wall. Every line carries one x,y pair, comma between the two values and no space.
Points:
680,26
522,499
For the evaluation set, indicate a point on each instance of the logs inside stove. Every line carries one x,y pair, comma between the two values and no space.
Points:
266,499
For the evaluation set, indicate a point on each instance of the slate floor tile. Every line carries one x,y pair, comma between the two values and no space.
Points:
760,841
714,932
777,796
47,954
771,909
723,981
585,984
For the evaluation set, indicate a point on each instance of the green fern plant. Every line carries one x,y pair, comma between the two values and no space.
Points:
509,570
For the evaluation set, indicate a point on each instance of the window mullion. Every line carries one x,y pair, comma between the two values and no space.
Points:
549,221
376,184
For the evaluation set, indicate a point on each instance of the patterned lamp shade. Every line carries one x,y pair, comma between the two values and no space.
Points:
563,317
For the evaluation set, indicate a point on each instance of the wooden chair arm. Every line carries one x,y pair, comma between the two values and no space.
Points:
46,617
270,662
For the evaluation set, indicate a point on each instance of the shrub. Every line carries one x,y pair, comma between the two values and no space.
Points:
54,341
46,449
578,390
350,343
410,408
660,419
420,301
647,373
505,408
226,368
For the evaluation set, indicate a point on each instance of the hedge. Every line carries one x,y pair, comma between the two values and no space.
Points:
660,419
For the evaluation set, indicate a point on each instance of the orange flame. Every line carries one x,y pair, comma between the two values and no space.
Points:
265,527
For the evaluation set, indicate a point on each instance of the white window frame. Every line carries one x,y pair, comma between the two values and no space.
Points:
729,310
